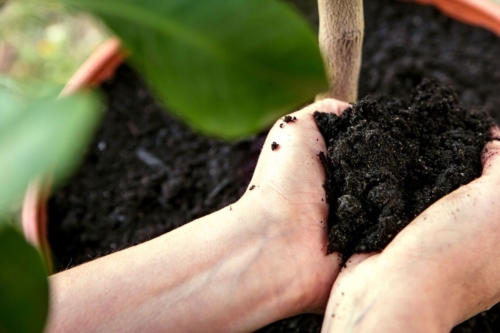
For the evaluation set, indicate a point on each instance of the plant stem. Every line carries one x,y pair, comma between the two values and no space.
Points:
341,31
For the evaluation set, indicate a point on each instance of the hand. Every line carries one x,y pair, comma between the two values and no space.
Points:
289,191
439,271
259,260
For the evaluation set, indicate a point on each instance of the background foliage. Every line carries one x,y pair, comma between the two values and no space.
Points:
228,67
24,304
39,41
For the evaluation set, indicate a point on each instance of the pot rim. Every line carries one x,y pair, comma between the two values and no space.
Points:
482,13
99,67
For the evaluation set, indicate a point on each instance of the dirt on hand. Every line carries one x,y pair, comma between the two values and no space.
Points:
388,160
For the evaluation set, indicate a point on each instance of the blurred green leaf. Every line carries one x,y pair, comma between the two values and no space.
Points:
15,95
228,67
24,289
40,137
10,104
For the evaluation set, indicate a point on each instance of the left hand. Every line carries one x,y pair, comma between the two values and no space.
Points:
289,191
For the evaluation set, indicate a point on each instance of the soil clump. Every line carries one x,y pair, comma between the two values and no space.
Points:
389,160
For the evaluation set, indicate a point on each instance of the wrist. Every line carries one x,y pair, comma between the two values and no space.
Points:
296,250
249,264
280,265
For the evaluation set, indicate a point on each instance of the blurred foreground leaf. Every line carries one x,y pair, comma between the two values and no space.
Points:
227,67
24,289
40,137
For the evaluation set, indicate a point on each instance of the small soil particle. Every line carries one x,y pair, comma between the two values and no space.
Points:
289,119
251,187
389,160
274,146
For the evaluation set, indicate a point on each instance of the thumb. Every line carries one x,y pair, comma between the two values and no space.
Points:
490,157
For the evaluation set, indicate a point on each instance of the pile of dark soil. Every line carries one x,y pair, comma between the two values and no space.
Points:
146,174
388,161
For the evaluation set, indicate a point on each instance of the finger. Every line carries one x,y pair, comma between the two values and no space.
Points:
356,259
491,154
351,265
298,141
328,105
303,123
495,133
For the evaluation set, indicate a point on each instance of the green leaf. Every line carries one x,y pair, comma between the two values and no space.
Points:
42,137
16,95
228,67
24,289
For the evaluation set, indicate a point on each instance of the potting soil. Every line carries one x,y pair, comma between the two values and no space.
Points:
388,160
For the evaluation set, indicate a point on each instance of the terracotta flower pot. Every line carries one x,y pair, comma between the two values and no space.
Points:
482,13
100,66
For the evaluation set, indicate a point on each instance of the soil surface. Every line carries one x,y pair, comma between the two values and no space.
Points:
389,160
146,174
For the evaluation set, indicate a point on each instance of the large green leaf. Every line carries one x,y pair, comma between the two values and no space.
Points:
24,289
228,67
39,137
